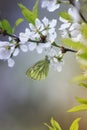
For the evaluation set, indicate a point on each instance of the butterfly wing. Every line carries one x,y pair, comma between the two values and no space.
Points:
38,71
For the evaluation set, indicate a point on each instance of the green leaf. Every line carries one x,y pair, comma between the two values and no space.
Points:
18,21
81,100
29,15
83,56
75,125
38,71
84,30
0,24
6,26
66,16
35,8
54,125
79,78
74,45
83,84
50,128
81,107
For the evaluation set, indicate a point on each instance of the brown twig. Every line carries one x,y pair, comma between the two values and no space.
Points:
5,33
63,49
72,2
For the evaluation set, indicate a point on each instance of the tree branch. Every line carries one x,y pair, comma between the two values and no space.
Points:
63,49
72,2
5,33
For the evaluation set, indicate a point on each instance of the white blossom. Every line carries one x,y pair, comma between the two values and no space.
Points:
5,50
32,46
53,55
11,62
16,52
71,28
75,32
73,12
38,26
64,34
24,37
51,52
43,34
39,48
49,29
56,64
65,23
75,26
24,48
64,26
51,5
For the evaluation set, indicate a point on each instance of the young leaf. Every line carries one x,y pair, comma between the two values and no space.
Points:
84,30
0,24
35,8
81,100
74,45
83,84
79,78
38,71
83,56
50,128
54,125
6,26
78,108
66,16
75,125
18,21
29,15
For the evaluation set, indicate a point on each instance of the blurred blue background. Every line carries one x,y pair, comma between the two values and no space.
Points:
26,104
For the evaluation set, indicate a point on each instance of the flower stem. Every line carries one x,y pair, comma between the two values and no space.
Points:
63,49
5,33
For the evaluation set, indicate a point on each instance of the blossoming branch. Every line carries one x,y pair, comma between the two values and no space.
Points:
41,36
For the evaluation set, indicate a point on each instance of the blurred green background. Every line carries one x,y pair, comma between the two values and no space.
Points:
26,104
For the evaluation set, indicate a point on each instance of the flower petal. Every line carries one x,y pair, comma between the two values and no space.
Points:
16,52
74,13
44,3
45,21
32,46
39,25
53,23
64,26
11,62
63,20
4,54
24,48
32,27
39,48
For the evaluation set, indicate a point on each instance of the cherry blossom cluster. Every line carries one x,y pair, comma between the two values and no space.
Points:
42,36
71,29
